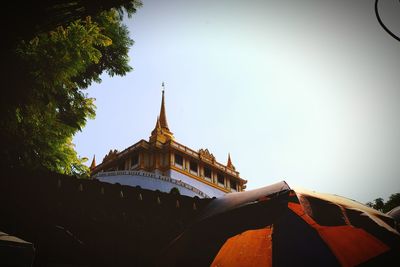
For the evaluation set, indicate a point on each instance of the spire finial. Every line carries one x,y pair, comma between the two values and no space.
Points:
229,164
157,128
163,116
93,165
161,131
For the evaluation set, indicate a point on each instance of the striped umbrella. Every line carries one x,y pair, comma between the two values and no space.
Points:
280,226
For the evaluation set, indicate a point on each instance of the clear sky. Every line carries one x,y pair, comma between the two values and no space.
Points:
302,91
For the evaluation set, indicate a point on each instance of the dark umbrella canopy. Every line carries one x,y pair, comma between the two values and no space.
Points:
15,251
278,226
395,214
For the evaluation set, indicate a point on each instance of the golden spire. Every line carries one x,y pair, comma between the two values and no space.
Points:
163,116
157,128
229,164
93,165
158,124
161,131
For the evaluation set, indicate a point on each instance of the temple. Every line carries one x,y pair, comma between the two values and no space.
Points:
164,164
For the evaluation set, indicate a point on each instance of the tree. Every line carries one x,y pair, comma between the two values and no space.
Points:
379,204
393,202
43,16
47,76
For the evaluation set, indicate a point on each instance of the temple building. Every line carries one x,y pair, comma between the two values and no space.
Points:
164,164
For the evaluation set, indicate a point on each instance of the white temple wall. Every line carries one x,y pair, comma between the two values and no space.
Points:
210,191
149,181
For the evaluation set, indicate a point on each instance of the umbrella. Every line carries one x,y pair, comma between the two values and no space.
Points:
15,251
279,226
395,214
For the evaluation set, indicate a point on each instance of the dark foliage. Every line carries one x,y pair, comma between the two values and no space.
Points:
381,205
52,50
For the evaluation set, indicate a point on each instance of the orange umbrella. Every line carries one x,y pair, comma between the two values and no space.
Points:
280,226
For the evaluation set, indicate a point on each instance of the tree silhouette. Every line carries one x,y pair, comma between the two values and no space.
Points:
55,50
381,205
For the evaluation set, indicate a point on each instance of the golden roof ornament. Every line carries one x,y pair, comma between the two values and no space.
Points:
93,165
112,154
163,116
205,154
157,128
229,164
161,131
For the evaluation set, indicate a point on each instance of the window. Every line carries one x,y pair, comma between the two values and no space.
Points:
121,165
134,160
233,184
193,167
221,179
207,173
178,160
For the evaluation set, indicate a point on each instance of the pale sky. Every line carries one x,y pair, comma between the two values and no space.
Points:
302,91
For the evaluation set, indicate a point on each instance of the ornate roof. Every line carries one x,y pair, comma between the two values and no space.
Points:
205,154
112,154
